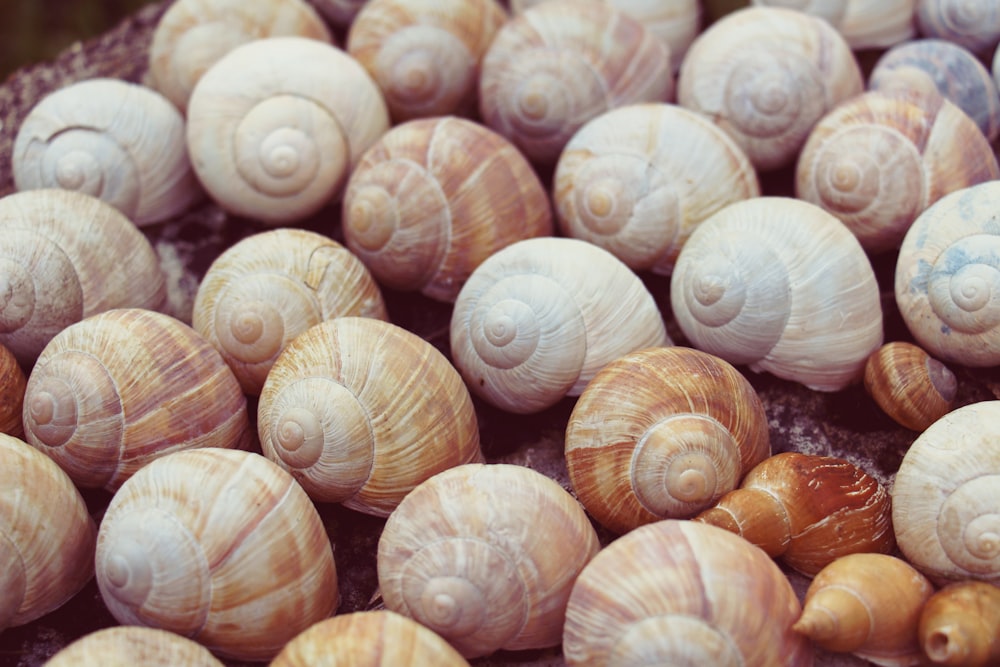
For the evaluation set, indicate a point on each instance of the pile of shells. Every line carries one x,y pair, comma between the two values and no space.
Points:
628,219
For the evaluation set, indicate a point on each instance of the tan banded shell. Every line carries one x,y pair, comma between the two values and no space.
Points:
912,387
130,645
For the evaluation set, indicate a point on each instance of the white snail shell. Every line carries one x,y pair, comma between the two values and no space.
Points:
130,645
865,24
115,140
783,286
275,126
974,24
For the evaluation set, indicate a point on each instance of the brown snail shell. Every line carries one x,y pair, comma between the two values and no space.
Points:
960,625
130,645
912,387
12,385
807,510
662,433
974,24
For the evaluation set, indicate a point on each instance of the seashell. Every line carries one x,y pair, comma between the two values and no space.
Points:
46,535
12,384
677,592
120,388
339,13
424,54
360,411
627,181
879,159
271,131
368,639
808,510
555,66
960,625
945,67
266,289
766,75
118,141
947,282
129,645
662,433
539,318
944,510
867,604
974,24
485,555
65,256
433,198
864,24
168,556
782,286
912,387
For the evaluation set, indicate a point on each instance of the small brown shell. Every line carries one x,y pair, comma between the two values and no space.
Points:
960,625
131,645
12,384
912,387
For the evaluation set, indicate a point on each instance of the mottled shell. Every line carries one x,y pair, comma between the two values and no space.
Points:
912,387
266,289
339,13
433,198
865,24
120,388
118,141
947,282
193,34
867,604
681,593
662,433
808,510
424,54
46,535
638,179
219,545
368,639
766,75
960,625
953,71
974,24
275,126
879,159
130,645
945,509
65,256
486,555
783,286
360,411
538,319
555,66
12,385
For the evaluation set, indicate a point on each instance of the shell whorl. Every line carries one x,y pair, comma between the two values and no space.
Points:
864,24
974,24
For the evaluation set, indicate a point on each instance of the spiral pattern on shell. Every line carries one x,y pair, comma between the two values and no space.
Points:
974,24
909,385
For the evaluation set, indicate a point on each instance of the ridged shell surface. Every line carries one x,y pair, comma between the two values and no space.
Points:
974,24
865,24
130,645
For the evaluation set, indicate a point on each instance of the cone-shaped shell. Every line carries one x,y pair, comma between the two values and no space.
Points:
865,24
912,387
12,384
960,625
130,645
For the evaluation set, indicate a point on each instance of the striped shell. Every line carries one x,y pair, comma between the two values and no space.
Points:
865,24
974,24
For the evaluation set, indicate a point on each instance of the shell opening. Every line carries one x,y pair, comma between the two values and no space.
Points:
942,378
940,648
52,411
17,296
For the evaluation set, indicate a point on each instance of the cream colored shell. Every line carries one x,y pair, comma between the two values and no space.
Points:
115,140
266,289
275,126
782,286
65,256
974,24
485,555
433,198
218,545
677,592
766,75
865,24
638,179
538,319
130,645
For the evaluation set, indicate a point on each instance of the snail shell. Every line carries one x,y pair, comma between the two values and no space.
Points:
218,545
912,387
46,535
485,555
424,54
65,256
944,511
193,34
638,179
974,24
947,283
360,411
539,318
266,289
960,625
783,286
120,388
368,639
662,433
272,131
129,645
555,66
808,510
433,198
867,604
678,592
118,141
766,75
12,385
865,24
879,159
